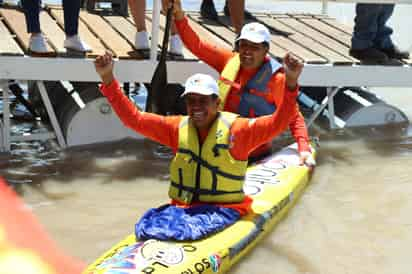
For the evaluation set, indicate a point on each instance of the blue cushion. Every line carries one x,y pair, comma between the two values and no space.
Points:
169,222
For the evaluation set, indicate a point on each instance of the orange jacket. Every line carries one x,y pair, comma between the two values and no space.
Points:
218,57
245,134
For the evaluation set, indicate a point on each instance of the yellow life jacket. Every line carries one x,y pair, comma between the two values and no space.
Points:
207,173
227,78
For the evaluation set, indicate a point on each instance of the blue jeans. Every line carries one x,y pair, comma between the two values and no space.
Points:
71,15
370,26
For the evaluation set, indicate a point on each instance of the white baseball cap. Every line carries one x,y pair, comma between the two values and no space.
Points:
255,32
200,83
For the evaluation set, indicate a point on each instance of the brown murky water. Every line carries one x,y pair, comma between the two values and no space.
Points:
353,218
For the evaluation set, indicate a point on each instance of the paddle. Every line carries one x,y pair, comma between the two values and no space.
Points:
159,79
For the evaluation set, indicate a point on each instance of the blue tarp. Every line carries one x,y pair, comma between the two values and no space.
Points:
169,222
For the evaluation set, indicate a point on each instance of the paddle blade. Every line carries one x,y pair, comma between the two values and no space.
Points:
157,85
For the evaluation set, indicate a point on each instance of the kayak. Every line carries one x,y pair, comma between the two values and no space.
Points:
275,183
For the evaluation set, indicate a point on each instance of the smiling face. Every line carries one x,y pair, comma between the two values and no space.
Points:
252,55
202,109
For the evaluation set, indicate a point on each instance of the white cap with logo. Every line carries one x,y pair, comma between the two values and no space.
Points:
255,32
200,83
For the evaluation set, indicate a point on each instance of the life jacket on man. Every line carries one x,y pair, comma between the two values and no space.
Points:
254,95
207,172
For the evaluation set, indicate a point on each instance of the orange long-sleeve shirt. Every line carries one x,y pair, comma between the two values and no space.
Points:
246,134
218,57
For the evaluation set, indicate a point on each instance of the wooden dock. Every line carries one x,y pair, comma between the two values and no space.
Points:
316,39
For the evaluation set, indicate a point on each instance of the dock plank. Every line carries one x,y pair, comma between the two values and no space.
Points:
16,21
229,36
336,24
326,29
279,38
125,28
309,42
215,28
208,36
7,44
54,33
323,39
110,38
320,37
84,32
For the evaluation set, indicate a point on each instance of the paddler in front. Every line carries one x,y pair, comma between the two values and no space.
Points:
251,83
211,153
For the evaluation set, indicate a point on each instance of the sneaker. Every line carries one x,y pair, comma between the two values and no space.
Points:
370,55
208,10
393,62
74,43
38,44
396,53
141,44
141,40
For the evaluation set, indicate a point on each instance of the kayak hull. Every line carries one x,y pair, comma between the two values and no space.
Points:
275,183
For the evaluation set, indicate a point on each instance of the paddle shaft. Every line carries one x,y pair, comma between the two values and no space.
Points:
159,79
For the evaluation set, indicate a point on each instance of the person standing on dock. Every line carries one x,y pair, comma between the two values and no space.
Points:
138,9
37,43
371,40
211,152
251,83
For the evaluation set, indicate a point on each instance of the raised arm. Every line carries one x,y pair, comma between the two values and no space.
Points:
293,69
156,127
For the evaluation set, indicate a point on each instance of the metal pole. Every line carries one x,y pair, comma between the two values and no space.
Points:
155,29
331,107
319,110
324,7
52,115
6,116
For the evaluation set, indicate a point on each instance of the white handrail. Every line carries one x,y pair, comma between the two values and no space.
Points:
155,29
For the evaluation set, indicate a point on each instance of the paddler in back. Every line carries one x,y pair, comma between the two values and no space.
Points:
211,152
251,83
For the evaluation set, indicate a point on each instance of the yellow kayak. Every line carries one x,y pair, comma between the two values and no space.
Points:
274,183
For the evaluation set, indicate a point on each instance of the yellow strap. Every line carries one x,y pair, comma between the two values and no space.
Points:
227,78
